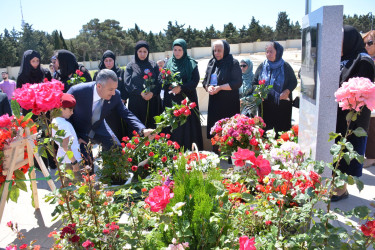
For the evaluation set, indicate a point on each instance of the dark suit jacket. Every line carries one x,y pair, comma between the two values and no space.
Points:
81,119
4,105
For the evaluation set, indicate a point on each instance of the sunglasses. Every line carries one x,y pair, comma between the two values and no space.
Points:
244,65
369,43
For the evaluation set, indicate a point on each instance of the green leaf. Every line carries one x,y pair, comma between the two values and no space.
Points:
350,180
28,116
15,108
346,158
247,197
335,149
70,154
359,132
75,204
14,193
359,184
333,136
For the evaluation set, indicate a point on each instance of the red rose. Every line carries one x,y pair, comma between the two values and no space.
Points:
105,231
151,154
285,136
159,197
253,142
261,82
147,143
130,159
246,243
135,132
192,105
169,143
75,238
129,145
136,140
295,130
162,134
187,112
167,136
122,144
174,157
134,168
149,74
87,244
45,80
164,159
176,146
163,71
157,137
23,246
268,222
176,113
168,72
125,139
145,77
184,102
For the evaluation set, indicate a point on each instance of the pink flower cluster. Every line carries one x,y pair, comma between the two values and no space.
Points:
175,246
262,166
247,244
40,97
237,131
355,93
159,197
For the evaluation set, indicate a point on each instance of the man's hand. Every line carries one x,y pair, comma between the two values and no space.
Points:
149,133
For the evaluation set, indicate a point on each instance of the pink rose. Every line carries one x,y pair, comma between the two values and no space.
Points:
6,120
355,93
262,166
158,198
87,244
243,155
246,243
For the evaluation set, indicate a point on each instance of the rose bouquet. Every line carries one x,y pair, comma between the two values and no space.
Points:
237,131
77,78
261,92
149,81
170,80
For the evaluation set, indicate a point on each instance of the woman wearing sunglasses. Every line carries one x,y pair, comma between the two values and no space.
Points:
355,62
369,40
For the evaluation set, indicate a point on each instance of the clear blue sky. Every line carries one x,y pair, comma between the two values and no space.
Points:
69,16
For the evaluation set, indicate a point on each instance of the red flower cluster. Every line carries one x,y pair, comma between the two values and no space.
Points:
262,166
262,82
9,126
70,230
234,187
165,73
291,135
368,229
289,187
78,72
40,97
194,157
110,228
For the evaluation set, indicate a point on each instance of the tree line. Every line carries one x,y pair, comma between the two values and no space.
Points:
95,37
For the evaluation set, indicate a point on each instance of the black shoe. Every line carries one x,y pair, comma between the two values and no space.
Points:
335,198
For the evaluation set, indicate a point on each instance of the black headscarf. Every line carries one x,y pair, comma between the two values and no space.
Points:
67,63
223,66
353,48
27,72
279,50
138,45
353,44
107,54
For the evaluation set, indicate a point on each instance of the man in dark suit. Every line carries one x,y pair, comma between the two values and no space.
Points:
4,105
96,100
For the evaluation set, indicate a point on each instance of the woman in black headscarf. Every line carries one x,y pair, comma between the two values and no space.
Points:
66,64
115,122
30,70
222,81
277,107
139,101
191,131
355,62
